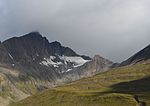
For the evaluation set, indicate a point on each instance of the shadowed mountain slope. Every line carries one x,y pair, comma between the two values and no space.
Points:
141,56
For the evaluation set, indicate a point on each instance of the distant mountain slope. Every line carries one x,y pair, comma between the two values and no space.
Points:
143,55
96,65
34,52
34,64
125,86
32,48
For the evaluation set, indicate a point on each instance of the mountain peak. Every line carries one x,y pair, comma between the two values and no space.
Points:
56,43
142,55
100,59
33,46
97,56
35,32
32,35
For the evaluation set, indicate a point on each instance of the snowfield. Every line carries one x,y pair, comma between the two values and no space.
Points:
76,61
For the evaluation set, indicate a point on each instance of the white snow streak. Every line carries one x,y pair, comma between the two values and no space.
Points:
76,61
10,56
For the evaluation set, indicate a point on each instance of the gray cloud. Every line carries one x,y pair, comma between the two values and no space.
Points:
116,29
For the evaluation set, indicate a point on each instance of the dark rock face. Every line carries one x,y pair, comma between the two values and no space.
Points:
55,48
86,57
4,55
143,55
35,57
33,48
31,61
24,49
33,54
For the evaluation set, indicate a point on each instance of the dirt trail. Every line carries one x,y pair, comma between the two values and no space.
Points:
140,103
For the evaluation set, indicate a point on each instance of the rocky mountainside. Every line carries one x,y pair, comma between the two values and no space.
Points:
30,63
141,56
34,52
96,65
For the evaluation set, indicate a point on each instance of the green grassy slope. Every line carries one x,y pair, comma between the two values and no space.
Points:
117,87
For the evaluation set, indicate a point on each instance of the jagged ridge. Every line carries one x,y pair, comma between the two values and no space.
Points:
33,64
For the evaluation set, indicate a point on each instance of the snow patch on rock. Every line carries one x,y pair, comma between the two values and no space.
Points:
50,62
10,56
76,61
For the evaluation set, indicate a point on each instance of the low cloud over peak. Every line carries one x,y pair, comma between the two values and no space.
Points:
114,28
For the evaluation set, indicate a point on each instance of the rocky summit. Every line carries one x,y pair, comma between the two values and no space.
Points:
31,63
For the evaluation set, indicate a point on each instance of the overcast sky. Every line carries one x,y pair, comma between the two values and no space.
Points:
115,29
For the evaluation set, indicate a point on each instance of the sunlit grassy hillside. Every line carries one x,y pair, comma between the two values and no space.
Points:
116,87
